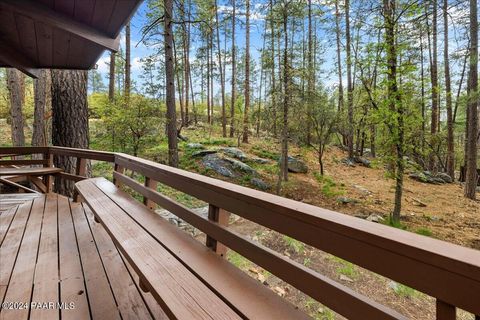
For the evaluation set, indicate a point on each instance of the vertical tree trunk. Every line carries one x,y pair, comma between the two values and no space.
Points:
395,102
70,120
472,107
434,81
16,94
310,73
127,64
274,85
286,96
349,80
111,78
448,92
186,55
222,77
234,72
247,74
208,80
171,115
39,135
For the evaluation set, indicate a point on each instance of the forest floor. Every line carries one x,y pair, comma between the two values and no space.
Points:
438,211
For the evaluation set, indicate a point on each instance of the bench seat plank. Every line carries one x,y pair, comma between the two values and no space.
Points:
29,171
179,292
248,296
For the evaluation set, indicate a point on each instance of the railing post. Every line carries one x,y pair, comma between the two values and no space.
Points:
221,217
118,168
152,184
80,170
445,311
48,179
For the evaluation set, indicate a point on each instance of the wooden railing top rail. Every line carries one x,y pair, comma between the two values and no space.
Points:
448,272
440,269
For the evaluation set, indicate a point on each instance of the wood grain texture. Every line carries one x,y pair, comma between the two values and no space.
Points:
180,293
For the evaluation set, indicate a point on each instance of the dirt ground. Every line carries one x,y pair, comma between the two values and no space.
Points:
438,211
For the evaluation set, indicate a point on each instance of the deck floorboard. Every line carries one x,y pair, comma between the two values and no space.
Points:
51,250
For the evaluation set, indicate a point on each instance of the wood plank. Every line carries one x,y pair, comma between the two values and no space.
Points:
6,219
21,162
445,311
21,281
10,246
44,34
100,297
319,287
83,153
46,281
16,59
427,264
149,299
129,300
29,171
72,287
179,292
28,39
62,22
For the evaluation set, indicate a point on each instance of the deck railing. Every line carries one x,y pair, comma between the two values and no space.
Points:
447,272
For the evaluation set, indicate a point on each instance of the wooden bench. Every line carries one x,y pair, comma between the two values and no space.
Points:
32,174
188,280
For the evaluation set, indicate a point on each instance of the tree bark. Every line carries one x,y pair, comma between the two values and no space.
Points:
472,107
395,102
234,72
40,85
448,92
349,81
16,94
434,81
286,96
171,115
310,73
70,120
247,74
127,64
274,85
111,78
222,76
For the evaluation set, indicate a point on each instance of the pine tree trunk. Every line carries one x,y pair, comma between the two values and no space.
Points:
15,90
274,85
434,81
472,107
39,135
310,73
448,92
111,78
234,73
127,64
247,74
286,96
222,76
349,81
395,102
70,120
171,115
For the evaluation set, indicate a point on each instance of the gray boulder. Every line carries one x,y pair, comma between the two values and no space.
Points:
220,166
296,165
345,200
203,153
260,160
260,184
193,145
445,177
363,161
239,165
235,152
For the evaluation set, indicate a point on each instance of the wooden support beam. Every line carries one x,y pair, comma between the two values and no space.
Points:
152,184
18,60
16,185
221,217
40,12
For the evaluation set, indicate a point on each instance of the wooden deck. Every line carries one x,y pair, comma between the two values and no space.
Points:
56,262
